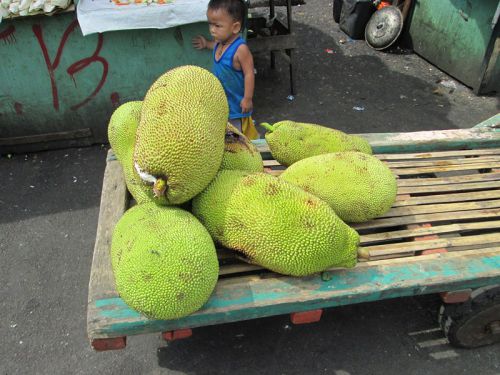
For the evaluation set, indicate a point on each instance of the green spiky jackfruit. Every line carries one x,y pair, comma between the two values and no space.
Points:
359,187
275,224
291,141
122,128
240,153
121,134
164,261
180,138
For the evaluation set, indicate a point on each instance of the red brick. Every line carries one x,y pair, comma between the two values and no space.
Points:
177,334
457,296
306,316
113,343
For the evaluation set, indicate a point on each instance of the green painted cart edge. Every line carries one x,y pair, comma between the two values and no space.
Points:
257,298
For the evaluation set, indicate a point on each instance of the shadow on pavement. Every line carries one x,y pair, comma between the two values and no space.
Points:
45,183
333,78
347,340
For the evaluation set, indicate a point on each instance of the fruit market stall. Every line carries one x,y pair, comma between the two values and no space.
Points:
60,87
440,236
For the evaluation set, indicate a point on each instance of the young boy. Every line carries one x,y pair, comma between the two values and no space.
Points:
233,61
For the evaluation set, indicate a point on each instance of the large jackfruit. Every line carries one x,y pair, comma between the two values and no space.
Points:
164,261
121,134
240,153
180,139
291,141
359,187
275,224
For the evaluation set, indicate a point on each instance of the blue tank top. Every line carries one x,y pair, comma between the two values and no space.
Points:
232,80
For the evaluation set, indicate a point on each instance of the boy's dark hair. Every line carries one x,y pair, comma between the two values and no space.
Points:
236,8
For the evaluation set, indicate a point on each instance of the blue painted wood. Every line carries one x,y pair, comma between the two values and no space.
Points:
248,298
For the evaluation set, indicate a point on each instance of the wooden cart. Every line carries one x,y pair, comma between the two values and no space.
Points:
441,236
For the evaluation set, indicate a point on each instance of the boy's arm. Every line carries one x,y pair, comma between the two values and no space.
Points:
245,60
200,42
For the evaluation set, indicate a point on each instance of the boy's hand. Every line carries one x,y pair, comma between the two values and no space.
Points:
199,42
246,105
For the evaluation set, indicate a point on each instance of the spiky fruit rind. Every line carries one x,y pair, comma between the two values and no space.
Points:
240,153
181,132
122,130
275,224
164,261
359,187
292,141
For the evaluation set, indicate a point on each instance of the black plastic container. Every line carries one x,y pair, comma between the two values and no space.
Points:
354,16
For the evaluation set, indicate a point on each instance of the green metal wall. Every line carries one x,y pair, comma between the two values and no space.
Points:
57,86
454,35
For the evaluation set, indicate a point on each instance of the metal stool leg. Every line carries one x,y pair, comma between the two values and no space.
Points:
289,52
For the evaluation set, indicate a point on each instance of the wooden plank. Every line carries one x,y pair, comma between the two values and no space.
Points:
422,231
398,248
427,218
439,154
238,268
476,177
445,168
449,188
403,182
443,207
236,299
275,172
417,163
442,162
444,198
113,205
453,139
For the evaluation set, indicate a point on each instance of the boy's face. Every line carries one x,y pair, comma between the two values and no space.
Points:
221,25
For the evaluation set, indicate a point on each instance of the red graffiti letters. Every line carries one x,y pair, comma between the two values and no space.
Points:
75,67
8,34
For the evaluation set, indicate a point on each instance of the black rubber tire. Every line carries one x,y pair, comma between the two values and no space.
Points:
473,323
337,8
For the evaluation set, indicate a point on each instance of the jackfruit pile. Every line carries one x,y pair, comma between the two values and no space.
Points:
198,183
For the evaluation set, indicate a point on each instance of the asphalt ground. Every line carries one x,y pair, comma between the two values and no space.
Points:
49,204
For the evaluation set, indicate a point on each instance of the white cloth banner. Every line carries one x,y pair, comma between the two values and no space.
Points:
97,16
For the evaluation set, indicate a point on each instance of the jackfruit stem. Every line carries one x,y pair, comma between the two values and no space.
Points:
159,188
363,253
267,126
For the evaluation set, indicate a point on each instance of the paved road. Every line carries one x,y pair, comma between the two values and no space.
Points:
49,204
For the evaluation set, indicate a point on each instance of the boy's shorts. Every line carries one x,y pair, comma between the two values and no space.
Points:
246,126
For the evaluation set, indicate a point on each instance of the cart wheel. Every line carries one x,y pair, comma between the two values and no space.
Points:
337,8
473,323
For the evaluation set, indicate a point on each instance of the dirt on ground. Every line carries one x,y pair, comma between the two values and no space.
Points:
344,83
